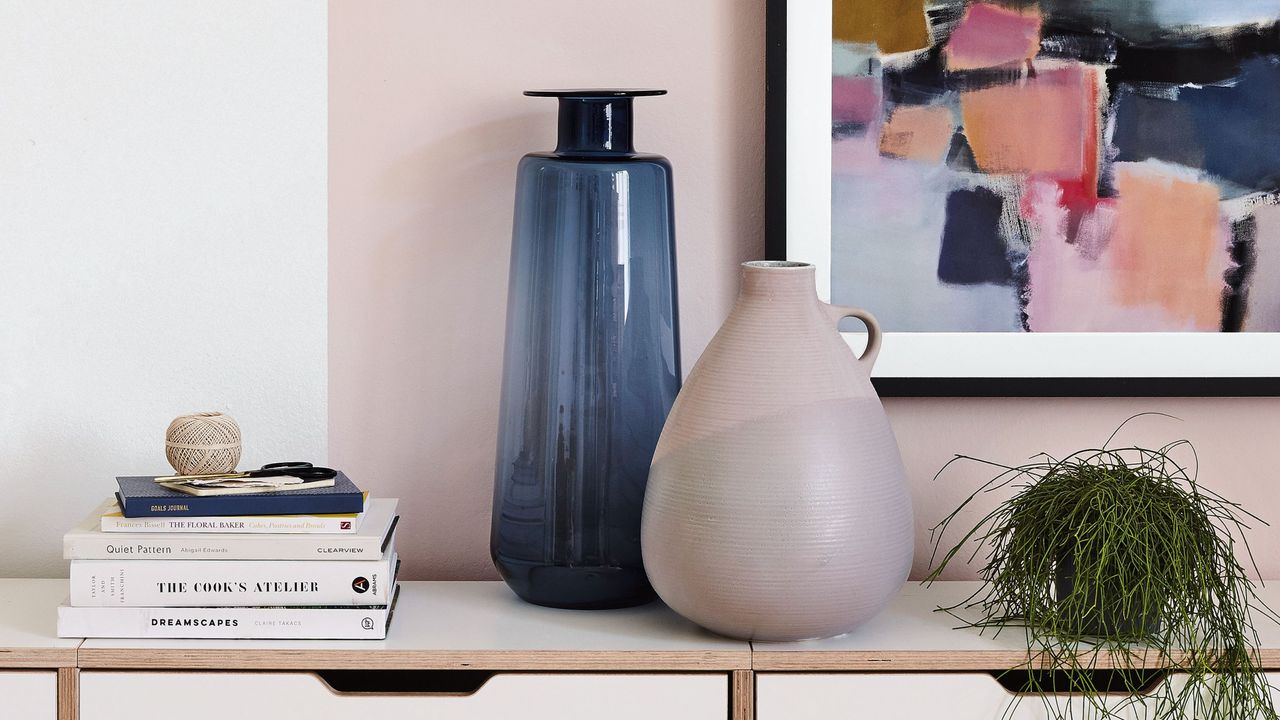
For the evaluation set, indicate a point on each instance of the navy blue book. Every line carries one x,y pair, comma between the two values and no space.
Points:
142,497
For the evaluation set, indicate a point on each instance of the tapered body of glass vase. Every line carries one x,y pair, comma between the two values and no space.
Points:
592,361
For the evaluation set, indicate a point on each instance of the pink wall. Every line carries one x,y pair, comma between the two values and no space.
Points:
426,124
1232,437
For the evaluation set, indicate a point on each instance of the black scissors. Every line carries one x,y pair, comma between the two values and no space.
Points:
301,470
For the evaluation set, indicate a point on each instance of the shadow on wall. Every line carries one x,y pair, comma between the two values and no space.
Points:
35,512
443,296
745,195
477,193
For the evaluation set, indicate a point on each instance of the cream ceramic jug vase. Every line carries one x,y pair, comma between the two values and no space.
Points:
777,506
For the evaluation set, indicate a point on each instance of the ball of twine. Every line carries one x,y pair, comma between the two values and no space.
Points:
206,442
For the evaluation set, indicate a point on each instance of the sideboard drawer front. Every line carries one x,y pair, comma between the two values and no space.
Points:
884,697
29,695
271,696
955,696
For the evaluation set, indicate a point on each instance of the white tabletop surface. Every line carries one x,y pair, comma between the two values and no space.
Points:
911,630
28,625
482,624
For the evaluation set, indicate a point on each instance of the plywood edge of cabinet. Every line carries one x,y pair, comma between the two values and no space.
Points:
742,695
924,660
37,658
68,694
230,658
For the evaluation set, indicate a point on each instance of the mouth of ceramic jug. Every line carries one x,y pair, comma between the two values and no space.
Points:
776,265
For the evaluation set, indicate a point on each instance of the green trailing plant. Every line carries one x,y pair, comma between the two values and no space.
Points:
1118,559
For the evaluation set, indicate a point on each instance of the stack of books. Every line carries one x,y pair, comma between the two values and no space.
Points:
152,562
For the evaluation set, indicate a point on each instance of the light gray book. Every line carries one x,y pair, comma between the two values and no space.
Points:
88,542
256,623
232,583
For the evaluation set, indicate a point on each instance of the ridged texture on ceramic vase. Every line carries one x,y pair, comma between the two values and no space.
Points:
777,505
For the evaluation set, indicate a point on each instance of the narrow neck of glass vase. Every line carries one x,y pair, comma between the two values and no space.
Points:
595,126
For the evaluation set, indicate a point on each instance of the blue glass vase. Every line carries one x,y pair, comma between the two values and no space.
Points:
592,360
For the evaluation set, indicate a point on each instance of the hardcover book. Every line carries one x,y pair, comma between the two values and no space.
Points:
88,542
232,583
143,497
367,622
114,521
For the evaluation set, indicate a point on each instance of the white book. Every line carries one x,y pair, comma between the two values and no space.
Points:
113,520
232,583
89,542
257,623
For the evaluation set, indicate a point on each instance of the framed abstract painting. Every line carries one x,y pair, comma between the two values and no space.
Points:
1036,198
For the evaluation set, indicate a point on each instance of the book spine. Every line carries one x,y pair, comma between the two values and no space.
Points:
266,623
247,524
98,546
230,583
264,504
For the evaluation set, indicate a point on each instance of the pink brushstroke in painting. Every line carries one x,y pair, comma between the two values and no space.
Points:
855,99
989,35
1152,258
1264,293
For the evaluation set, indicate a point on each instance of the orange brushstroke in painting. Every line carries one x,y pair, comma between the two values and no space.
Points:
917,132
1041,125
1093,123
1169,246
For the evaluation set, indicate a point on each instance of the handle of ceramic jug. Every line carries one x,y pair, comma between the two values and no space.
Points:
838,313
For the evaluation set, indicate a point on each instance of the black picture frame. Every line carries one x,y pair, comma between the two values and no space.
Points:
775,157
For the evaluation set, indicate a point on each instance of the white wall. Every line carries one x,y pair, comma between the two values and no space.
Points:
162,244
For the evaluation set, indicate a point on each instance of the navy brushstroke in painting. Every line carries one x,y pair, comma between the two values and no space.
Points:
960,155
1230,131
921,81
1244,256
972,249
924,79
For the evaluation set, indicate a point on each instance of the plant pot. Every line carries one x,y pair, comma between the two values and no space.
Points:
1105,620
777,506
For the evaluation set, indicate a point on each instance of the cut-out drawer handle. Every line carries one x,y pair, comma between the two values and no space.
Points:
1105,680
399,682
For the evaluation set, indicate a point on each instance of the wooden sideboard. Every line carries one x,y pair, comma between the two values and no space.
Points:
455,650
911,662
468,650
37,668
